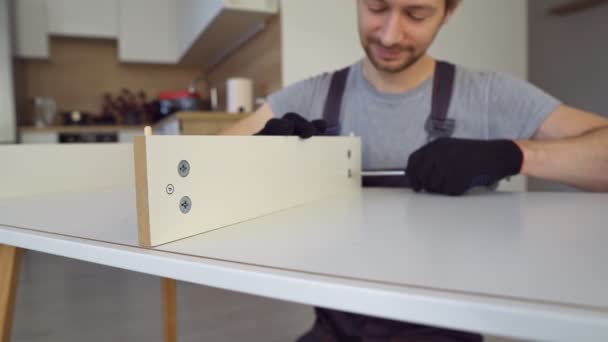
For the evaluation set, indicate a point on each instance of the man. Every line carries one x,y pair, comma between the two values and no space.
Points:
493,126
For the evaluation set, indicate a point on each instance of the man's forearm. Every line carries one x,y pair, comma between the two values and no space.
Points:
580,161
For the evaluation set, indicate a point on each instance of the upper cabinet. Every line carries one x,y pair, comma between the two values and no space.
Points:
30,28
147,31
210,30
84,18
198,32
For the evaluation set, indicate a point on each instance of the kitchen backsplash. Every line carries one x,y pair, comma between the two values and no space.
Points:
81,70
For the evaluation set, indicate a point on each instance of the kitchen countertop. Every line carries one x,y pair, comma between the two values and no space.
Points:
193,116
182,116
81,129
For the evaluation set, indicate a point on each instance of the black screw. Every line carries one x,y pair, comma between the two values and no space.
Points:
185,204
183,168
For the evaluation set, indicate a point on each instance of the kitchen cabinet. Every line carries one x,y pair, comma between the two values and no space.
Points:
35,20
191,31
147,31
197,32
208,31
84,18
53,134
39,137
30,27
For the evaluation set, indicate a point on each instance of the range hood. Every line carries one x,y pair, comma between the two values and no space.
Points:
211,30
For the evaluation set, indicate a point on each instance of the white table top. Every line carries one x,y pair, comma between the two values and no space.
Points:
529,265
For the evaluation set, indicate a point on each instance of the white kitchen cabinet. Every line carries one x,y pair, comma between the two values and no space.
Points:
44,137
192,31
125,136
208,31
30,26
198,32
147,31
84,18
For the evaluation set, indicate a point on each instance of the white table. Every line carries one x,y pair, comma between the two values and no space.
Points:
524,265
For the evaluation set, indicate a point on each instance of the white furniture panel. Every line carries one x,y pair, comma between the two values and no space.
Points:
40,169
231,179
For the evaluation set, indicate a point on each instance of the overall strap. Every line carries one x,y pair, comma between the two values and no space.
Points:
333,102
438,125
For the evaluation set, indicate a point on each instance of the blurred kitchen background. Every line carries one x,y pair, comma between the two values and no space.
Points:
99,70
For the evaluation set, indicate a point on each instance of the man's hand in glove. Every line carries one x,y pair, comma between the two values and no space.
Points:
294,124
452,166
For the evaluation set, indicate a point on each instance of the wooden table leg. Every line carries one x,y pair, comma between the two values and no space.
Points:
169,310
10,260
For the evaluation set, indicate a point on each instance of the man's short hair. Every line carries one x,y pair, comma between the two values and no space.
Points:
451,4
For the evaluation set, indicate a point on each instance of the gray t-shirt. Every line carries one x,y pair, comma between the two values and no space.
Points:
485,105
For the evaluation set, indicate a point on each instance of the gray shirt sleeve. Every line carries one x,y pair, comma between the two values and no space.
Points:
303,97
516,108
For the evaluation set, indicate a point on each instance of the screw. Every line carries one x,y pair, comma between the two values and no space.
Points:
185,204
170,189
183,168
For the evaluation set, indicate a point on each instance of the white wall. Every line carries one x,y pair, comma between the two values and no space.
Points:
568,55
7,105
568,59
317,36
487,34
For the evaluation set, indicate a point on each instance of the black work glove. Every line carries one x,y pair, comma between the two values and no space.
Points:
452,166
294,124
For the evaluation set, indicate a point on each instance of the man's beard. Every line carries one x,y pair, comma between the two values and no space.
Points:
409,61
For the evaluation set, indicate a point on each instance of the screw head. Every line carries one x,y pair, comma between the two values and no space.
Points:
170,189
185,204
183,168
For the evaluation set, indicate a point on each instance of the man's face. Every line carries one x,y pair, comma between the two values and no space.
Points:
396,33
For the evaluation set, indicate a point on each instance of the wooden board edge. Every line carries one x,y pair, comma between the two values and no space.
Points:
169,305
141,191
10,263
